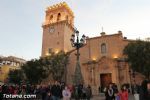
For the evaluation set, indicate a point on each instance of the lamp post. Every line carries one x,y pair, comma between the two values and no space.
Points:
78,78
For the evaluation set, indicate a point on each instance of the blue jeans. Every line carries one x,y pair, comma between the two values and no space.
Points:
55,98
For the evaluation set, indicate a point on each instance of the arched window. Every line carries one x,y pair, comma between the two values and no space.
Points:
103,48
58,16
51,18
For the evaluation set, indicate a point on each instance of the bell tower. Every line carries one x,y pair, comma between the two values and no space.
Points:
57,29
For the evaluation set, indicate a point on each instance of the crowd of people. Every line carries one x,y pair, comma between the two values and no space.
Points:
61,91
54,91
140,92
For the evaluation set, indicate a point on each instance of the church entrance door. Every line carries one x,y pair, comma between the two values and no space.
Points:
105,79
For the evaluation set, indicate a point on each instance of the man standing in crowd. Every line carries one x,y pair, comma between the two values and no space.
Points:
88,92
110,92
56,91
143,90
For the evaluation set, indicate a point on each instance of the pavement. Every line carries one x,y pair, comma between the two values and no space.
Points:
102,97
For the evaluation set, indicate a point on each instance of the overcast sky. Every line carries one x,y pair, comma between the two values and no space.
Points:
21,20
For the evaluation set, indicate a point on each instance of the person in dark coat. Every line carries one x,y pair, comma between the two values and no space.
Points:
75,92
56,91
49,96
110,93
62,87
37,91
115,88
143,91
43,92
1,94
80,93
88,92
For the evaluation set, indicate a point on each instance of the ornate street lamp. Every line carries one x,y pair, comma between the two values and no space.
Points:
78,78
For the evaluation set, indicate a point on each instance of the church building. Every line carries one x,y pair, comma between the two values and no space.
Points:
101,58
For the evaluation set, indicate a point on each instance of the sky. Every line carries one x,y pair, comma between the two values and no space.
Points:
21,21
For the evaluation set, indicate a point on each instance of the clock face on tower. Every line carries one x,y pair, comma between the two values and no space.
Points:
51,29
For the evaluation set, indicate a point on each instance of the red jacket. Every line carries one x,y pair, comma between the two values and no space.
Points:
123,95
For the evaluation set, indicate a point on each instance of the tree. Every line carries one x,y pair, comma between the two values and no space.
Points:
34,71
56,64
38,69
15,76
138,54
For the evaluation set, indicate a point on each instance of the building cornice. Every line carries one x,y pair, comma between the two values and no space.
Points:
56,23
118,34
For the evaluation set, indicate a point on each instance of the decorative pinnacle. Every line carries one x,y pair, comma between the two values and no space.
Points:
61,4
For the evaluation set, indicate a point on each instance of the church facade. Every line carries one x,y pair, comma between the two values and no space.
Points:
101,58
